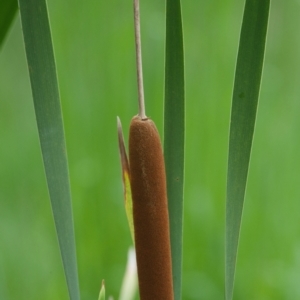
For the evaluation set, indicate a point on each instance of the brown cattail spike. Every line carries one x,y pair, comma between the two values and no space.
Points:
150,211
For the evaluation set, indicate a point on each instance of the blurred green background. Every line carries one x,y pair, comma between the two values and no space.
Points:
94,50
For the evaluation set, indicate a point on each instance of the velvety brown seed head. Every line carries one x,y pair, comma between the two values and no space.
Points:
150,211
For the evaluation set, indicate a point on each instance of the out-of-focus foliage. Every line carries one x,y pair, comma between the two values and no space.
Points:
8,10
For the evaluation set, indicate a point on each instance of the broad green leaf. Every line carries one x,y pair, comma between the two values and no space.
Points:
126,179
174,122
244,105
102,291
8,10
42,71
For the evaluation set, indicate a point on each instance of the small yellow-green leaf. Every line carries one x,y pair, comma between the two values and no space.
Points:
102,291
126,179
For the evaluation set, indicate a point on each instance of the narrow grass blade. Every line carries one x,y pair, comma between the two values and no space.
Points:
244,105
42,71
8,10
174,122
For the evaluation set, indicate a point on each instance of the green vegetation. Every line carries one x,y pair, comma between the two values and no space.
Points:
94,52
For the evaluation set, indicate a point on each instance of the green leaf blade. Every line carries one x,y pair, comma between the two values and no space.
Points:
42,71
243,114
8,10
174,126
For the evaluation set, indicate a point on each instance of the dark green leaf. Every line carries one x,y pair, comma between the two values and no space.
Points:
42,70
174,122
243,115
8,10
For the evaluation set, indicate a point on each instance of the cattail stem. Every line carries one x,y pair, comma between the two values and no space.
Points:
138,50
150,211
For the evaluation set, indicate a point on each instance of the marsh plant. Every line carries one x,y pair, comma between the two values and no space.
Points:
159,171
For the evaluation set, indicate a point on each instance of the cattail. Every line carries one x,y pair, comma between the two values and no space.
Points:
149,195
150,211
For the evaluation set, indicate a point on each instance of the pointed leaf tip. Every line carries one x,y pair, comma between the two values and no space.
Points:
102,291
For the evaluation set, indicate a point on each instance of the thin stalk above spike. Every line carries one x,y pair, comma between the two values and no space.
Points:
138,49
